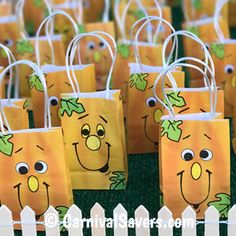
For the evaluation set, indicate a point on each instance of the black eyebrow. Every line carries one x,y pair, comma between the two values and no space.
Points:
183,110
67,83
187,137
39,147
83,116
207,136
103,119
150,87
167,85
202,110
51,86
18,150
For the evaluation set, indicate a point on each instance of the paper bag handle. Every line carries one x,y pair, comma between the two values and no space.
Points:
179,62
46,21
39,73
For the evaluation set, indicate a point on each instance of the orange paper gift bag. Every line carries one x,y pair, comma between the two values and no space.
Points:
94,135
195,160
34,161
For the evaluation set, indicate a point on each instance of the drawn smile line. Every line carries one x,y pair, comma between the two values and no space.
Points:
196,205
77,155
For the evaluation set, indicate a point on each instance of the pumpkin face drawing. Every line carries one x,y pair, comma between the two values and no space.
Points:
29,160
195,146
144,125
94,143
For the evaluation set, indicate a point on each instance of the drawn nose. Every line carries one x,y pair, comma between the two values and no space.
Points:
93,143
196,171
97,57
33,184
157,115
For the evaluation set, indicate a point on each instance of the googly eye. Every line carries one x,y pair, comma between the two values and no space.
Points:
187,155
22,168
91,45
206,155
85,131
102,45
100,131
151,102
41,167
53,101
8,42
229,69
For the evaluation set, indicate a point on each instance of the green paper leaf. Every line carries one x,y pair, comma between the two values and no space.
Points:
24,46
6,147
222,204
30,27
71,105
138,81
171,129
194,30
117,180
197,4
175,99
82,29
38,3
124,50
139,14
218,50
3,53
35,82
62,211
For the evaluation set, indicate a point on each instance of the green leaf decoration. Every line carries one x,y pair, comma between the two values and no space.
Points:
3,53
82,29
218,50
30,27
138,81
117,180
35,82
139,14
175,99
38,3
6,147
171,129
71,105
197,4
24,46
222,204
62,211
194,30
124,50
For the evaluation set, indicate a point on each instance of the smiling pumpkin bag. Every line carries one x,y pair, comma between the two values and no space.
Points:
150,54
206,30
94,135
36,167
195,160
190,100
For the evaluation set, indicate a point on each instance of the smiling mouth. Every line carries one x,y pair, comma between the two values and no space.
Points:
145,131
195,205
18,186
104,169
